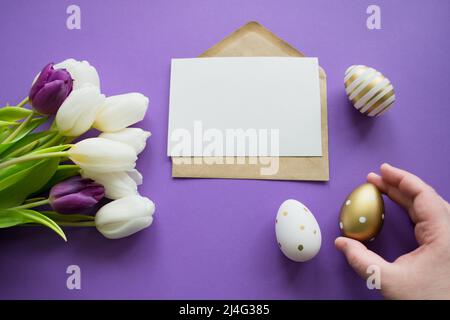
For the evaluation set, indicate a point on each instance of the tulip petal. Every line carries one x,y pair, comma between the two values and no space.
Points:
60,74
134,137
102,155
77,113
68,186
125,216
40,80
122,230
50,89
75,195
81,71
117,184
50,97
121,111
136,176
73,203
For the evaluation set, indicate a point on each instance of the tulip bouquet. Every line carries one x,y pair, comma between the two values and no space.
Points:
46,169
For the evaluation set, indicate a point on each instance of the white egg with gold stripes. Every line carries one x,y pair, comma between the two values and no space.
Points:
370,92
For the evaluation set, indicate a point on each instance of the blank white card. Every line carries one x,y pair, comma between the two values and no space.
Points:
255,106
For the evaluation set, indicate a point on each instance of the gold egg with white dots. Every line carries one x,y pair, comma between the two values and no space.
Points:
362,213
370,92
297,231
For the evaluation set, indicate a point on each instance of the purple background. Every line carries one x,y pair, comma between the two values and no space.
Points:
215,238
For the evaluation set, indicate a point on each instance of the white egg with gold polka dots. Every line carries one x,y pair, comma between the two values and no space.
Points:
297,231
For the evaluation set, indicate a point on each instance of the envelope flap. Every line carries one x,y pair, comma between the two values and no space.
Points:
252,40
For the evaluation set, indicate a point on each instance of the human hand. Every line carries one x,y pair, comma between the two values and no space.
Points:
425,272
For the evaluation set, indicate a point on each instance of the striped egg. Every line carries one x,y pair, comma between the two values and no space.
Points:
370,92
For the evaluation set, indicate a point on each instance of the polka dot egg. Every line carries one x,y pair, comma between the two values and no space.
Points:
362,213
297,231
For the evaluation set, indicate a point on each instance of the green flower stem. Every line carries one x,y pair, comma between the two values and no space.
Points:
23,102
37,156
56,140
9,123
33,204
24,149
76,224
19,128
30,200
68,166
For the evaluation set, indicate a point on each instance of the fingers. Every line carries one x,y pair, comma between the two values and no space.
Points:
408,190
406,182
378,182
393,192
359,257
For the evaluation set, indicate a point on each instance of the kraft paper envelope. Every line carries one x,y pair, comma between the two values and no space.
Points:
253,40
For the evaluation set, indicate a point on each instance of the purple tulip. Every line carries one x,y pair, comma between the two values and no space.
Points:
75,195
50,89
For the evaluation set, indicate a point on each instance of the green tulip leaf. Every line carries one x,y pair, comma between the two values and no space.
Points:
8,123
15,216
17,152
13,113
4,132
28,179
28,143
12,169
10,218
17,173
33,124
36,217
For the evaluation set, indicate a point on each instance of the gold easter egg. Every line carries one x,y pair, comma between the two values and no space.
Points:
370,92
362,213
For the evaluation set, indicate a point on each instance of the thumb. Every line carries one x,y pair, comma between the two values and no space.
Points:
359,257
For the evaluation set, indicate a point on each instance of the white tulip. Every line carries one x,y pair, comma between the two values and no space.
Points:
119,112
123,217
103,155
77,113
136,176
117,184
134,137
81,71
